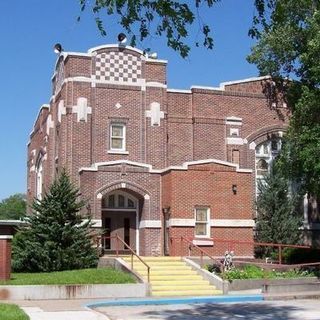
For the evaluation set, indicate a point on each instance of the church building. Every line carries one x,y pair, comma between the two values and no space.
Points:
155,163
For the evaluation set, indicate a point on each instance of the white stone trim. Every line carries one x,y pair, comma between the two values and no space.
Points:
117,152
224,84
237,141
232,223
107,46
180,223
44,106
154,84
202,242
50,124
184,166
207,88
99,195
82,109
96,223
234,121
252,146
61,110
6,237
178,91
160,61
151,224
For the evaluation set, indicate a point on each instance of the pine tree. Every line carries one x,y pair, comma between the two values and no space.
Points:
58,237
278,216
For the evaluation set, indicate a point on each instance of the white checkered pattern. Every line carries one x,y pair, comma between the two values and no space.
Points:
117,67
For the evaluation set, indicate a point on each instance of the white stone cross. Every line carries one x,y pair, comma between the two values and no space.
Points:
155,114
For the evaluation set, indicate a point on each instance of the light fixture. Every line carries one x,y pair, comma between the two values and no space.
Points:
122,38
57,48
234,189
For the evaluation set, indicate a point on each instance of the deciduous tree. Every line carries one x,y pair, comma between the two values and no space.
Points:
148,18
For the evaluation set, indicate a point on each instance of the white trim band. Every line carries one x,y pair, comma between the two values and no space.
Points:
151,224
232,223
6,237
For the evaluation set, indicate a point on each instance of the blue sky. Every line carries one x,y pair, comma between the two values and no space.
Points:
29,29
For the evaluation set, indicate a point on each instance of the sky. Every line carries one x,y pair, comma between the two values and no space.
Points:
29,30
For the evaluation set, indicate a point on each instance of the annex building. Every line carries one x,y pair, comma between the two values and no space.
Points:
155,163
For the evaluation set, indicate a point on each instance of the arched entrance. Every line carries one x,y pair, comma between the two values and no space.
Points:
120,217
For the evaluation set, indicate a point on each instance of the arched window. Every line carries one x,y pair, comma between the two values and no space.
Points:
262,167
39,177
119,200
266,152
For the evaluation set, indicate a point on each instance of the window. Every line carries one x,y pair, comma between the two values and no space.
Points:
39,178
117,137
202,223
119,200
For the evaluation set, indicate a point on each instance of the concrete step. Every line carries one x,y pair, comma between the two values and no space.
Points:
174,277
183,287
178,282
202,292
170,276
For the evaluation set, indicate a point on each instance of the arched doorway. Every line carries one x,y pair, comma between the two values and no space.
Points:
120,217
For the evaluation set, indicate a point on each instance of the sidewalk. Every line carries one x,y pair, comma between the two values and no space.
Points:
58,309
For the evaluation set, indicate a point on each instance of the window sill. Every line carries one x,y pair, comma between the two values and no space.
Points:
202,242
117,152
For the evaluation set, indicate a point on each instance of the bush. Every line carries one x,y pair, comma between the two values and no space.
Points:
254,272
299,255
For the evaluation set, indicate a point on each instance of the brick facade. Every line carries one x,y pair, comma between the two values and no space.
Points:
174,149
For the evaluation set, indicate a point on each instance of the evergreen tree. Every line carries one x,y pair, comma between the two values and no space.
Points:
58,237
278,217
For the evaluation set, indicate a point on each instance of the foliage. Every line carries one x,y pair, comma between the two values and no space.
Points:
213,268
58,237
84,276
299,255
288,34
14,207
254,272
278,217
12,312
143,19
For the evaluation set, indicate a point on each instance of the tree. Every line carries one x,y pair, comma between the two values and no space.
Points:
142,19
14,207
278,217
288,34
58,237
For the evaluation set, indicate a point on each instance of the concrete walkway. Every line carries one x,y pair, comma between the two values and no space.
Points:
265,310
58,309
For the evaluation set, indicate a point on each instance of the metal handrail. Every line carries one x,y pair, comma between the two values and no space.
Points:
233,242
202,252
131,250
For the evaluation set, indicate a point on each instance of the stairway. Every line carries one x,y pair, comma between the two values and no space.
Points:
170,276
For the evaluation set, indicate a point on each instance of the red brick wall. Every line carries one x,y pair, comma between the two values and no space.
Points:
194,128
5,259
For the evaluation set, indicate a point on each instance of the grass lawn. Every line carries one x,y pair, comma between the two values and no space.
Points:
84,276
12,312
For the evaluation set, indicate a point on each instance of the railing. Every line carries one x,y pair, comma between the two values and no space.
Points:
230,246
133,253
191,246
280,246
